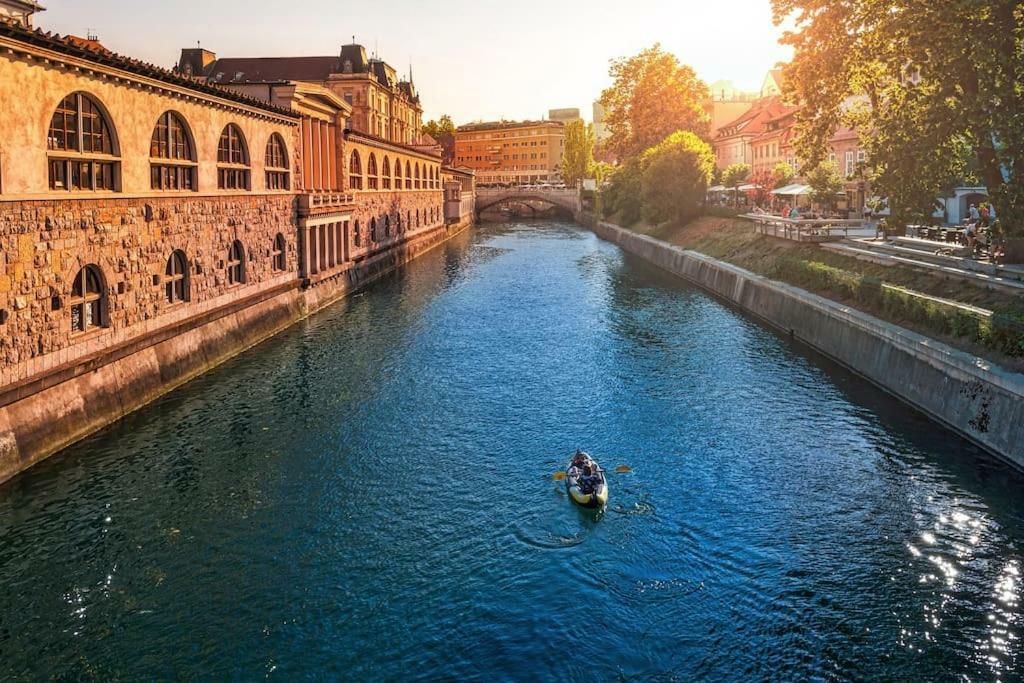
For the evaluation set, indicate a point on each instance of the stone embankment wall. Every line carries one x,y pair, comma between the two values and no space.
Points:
973,397
50,411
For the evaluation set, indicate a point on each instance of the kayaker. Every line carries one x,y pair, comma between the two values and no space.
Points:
589,481
579,459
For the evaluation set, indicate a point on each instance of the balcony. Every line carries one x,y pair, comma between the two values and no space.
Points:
324,202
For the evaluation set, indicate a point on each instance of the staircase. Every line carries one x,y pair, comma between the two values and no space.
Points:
921,254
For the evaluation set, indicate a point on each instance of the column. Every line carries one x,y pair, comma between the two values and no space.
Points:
307,154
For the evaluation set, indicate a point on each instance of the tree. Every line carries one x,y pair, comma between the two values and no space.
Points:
443,130
652,96
825,183
735,175
623,194
674,181
578,156
783,174
764,182
920,84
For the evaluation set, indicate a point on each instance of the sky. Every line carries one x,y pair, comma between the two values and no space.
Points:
472,59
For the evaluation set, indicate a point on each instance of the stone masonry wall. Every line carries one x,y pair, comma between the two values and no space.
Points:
44,244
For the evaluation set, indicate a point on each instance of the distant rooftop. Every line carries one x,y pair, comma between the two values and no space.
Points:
506,125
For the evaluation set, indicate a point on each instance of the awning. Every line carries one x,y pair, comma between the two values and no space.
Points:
747,188
718,188
793,190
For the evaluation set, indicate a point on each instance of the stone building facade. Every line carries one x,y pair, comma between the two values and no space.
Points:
153,225
512,152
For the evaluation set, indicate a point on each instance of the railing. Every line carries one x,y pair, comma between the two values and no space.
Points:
803,229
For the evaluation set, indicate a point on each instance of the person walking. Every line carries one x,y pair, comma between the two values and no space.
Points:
973,213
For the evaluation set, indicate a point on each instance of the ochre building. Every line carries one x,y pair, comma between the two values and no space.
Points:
504,152
153,225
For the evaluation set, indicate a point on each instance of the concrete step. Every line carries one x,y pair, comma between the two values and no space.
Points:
884,258
924,250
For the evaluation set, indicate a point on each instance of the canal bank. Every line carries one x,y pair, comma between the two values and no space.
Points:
974,397
40,417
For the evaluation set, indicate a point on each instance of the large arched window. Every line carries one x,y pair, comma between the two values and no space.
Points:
371,172
172,154
387,226
356,234
373,230
277,164
176,278
385,173
418,176
398,174
408,176
88,300
355,171
279,255
232,160
82,150
236,264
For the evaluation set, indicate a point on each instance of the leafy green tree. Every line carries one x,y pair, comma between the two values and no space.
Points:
764,182
825,183
734,176
783,174
675,178
939,77
652,96
578,156
622,198
443,130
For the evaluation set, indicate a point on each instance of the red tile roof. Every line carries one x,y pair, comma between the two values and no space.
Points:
92,51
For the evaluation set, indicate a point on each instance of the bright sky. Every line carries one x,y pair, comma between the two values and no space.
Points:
473,59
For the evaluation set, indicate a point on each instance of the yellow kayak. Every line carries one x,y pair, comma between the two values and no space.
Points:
589,492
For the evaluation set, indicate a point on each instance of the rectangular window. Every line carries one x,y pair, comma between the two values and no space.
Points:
849,164
277,180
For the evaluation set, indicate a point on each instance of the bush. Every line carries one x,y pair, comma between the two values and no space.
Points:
675,177
623,194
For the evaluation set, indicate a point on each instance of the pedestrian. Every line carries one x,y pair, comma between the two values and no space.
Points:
984,215
973,213
867,212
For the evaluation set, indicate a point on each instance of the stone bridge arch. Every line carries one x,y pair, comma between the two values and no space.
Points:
565,199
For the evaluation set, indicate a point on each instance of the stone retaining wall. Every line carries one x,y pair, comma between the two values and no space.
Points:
971,396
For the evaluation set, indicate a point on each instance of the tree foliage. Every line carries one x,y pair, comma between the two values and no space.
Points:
930,80
825,183
734,176
783,174
652,96
675,178
764,182
578,156
443,130
623,194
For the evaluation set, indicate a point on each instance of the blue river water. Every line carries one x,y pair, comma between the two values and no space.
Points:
369,495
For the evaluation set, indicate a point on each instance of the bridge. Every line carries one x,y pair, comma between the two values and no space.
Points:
490,197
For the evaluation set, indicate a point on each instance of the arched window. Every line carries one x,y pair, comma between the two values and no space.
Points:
236,264
408,176
355,171
88,300
371,172
373,230
232,160
278,175
279,256
398,223
417,218
82,150
176,281
173,165
408,220
356,236
387,226
417,176
398,174
385,172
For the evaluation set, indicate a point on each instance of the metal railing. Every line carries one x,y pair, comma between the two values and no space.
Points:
803,229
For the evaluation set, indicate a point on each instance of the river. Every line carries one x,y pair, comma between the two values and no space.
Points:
369,495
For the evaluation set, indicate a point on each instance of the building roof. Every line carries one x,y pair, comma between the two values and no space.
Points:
97,54
27,5
505,125
381,142
754,121
272,69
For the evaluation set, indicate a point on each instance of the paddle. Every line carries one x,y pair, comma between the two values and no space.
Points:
621,469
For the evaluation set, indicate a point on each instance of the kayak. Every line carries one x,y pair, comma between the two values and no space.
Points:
593,499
